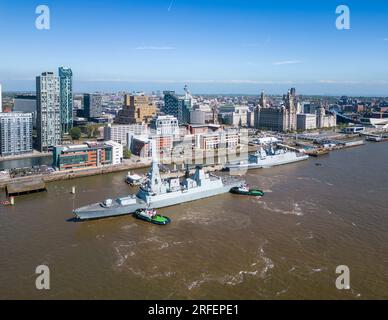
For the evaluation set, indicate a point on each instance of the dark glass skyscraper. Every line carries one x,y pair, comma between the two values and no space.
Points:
179,107
66,98
172,105
92,105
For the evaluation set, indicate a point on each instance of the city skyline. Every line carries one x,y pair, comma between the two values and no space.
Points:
214,47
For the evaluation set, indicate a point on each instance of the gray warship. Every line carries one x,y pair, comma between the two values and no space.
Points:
266,158
156,192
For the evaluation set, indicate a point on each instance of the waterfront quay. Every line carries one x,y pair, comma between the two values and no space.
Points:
34,154
327,140
6,180
37,183
212,160
22,179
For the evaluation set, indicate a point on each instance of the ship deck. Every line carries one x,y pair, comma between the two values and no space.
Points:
99,207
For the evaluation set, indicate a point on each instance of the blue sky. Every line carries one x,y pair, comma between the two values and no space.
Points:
229,46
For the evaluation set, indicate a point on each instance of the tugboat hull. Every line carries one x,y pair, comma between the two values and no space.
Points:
158,219
251,192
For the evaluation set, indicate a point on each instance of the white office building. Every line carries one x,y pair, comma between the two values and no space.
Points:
306,121
165,126
48,111
234,115
117,151
323,120
15,133
119,132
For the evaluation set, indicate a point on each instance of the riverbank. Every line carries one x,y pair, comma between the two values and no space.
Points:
34,154
209,159
6,180
72,174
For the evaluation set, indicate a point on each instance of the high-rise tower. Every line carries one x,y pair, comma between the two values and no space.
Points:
92,105
66,99
48,111
263,100
291,110
262,104
179,107
1,100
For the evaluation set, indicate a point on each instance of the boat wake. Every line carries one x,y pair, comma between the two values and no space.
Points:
130,257
266,183
204,218
297,208
294,210
136,249
281,292
129,226
318,270
260,268
122,257
268,264
310,235
127,252
197,283
315,180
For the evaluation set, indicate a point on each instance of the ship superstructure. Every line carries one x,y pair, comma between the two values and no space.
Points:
268,157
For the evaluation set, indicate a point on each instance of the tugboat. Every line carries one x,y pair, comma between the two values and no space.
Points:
152,216
246,190
317,152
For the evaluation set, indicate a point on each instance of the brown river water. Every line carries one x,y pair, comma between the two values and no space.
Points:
285,245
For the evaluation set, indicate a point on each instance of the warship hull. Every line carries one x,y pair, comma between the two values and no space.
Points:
266,163
97,210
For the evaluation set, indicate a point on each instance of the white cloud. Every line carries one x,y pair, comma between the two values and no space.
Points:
278,63
154,48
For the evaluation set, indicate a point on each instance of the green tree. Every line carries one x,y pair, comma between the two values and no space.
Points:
92,130
126,153
75,133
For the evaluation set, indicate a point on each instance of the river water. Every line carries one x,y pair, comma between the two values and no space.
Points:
285,245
